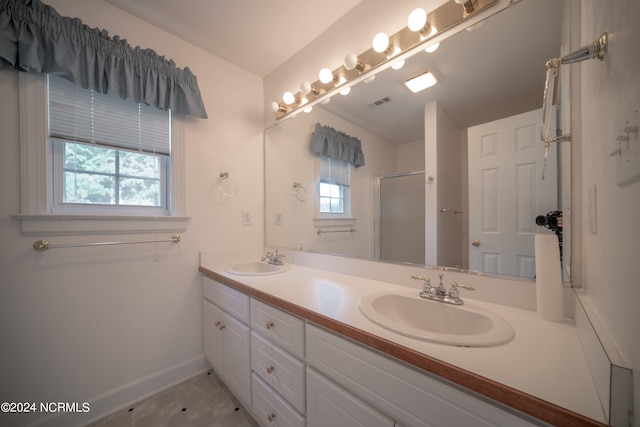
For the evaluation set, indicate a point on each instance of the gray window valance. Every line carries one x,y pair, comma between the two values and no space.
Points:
326,141
35,38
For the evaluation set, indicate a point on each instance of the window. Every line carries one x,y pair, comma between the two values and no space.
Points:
334,189
149,167
109,155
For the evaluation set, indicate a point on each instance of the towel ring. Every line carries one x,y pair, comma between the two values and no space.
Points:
224,176
299,192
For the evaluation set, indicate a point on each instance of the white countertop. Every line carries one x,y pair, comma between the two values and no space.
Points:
544,360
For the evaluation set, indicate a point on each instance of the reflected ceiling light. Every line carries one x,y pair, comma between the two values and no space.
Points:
325,101
432,48
288,98
469,5
347,89
325,75
351,62
421,81
398,65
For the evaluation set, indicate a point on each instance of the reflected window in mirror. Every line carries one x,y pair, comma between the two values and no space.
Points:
333,187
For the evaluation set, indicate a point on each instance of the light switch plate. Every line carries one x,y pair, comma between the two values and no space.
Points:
246,218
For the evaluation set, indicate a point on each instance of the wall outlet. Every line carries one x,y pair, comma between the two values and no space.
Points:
246,218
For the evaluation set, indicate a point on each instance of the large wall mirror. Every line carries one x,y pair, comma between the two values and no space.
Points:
452,174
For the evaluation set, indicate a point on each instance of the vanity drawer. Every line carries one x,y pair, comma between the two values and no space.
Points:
233,302
410,397
283,329
283,372
271,409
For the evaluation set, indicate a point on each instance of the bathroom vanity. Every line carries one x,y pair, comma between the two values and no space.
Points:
303,353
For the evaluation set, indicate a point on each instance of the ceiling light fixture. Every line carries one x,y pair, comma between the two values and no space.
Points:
396,48
421,81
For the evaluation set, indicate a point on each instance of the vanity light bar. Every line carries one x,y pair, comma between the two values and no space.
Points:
443,18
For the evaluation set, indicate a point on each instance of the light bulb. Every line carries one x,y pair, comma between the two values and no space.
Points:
305,88
325,75
380,42
288,98
350,61
417,19
275,107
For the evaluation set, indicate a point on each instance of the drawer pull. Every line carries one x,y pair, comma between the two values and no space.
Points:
270,369
269,325
221,326
217,323
271,417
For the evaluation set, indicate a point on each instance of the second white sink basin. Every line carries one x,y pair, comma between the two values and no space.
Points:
405,313
256,268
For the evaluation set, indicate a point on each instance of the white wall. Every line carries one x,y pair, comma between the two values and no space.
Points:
610,279
108,324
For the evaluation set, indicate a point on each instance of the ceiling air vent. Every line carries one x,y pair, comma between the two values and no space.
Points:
379,102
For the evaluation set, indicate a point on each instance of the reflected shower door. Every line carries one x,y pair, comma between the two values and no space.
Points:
401,218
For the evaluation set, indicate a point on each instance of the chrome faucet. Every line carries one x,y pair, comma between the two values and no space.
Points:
275,259
439,293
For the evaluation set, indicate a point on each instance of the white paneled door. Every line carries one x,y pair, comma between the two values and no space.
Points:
507,192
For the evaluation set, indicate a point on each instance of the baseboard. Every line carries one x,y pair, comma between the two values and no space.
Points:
116,399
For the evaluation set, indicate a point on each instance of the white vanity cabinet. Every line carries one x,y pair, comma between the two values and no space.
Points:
331,405
277,352
410,397
227,338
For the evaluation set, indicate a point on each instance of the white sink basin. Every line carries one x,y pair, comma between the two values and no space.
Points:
405,313
256,268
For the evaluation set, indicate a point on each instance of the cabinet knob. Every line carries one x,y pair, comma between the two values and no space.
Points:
271,417
269,325
221,326
270,369
476,243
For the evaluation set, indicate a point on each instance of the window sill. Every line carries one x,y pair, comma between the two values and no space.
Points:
58,225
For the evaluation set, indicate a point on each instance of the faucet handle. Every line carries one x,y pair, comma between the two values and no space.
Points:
454,293
460,285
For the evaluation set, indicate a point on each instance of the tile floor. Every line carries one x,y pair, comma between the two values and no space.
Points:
202,401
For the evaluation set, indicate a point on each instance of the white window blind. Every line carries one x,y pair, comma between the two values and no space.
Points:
86,116
334,171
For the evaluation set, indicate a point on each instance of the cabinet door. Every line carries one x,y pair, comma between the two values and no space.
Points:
212,319
237,358
329,405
